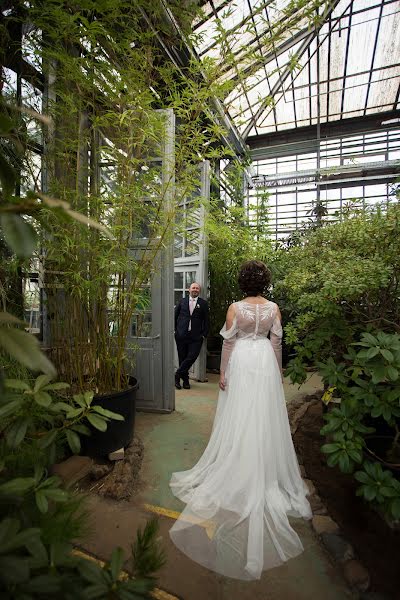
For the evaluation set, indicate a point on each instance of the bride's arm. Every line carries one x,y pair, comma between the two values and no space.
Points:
229,334
276,337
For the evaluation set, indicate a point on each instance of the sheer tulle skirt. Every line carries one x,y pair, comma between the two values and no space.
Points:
239,495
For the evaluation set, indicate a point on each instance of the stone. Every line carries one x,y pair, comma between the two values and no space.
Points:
356,575
321,511
72,469
117,454
315,502
311,487
324,524
337,547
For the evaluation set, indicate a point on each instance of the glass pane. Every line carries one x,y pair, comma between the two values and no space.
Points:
190,277
193,216
178,280
178,246
32,304
141,325
192,243
177,296
144,300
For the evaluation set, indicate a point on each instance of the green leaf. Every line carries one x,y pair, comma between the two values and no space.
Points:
41,501
344,462
74,412
61,405
355,455
371,352
116,562
19,235
97,590
57,495
47,585
82,429
38,550
25,348
362,477
97,422
8,177
369,492
41,381
9,319
16,384
10,408
387,355
59,385
90,571
392,372
42,398
8,528
332,459
88,397
17,486
108,413
370,339
6,122
73,441
21,539
388,492
48,439
80,400
329,448
16,433
14,569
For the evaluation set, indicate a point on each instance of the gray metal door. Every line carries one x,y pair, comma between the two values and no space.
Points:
191,256
151,338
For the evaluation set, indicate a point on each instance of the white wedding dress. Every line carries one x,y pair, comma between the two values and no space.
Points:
239,495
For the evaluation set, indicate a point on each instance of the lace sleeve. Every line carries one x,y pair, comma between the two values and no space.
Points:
229,336
276,339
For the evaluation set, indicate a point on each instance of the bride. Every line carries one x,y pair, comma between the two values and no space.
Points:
247,483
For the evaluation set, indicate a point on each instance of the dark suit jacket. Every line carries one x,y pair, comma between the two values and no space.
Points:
199,319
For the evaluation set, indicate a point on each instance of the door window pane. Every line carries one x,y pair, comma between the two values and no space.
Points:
178,280
190,277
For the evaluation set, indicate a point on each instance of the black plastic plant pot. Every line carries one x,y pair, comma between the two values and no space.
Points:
119,434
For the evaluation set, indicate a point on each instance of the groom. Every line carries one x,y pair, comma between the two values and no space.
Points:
191,328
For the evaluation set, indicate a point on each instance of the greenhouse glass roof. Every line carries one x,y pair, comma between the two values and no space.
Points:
288,67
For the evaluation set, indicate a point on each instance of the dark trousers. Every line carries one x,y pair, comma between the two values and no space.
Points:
188,351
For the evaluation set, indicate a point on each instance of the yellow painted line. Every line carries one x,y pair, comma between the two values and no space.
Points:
156,593
165,512
209,526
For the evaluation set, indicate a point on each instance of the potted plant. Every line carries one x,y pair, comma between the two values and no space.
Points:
106,84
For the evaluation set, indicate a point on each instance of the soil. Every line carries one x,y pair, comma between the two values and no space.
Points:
375,543
118,480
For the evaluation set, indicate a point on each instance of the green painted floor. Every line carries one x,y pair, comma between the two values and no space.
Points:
175,442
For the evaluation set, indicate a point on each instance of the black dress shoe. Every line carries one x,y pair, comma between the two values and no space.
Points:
178,382
186,385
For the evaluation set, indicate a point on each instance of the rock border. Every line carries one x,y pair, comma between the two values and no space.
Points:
326,529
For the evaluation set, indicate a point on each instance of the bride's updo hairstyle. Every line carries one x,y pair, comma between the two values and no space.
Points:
254,278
